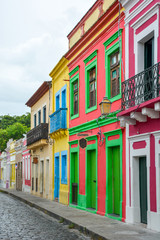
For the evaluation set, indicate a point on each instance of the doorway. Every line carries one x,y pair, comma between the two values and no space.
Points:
74,177
56,178
41,176
143,189
114,180
148,62
91,179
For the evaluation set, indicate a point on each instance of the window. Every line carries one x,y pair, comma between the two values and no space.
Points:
92,87
44,114
35,120
74,93
57,100
75,97
64,167
91,82
113,66
39,117
28,167
114,74
63,97
26,175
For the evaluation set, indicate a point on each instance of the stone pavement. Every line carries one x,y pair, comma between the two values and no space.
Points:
96,226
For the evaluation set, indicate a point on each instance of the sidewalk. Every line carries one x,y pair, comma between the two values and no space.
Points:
98,227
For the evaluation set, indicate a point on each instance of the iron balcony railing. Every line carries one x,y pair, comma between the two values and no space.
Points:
142,87
58,120
37,133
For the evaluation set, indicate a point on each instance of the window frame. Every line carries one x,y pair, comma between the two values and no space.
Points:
64,178
57,95
72,81
117,46
39,117
64,90
44,115
35,120
90,63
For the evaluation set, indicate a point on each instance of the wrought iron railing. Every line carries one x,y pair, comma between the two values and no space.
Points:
37,133
141,87
58,120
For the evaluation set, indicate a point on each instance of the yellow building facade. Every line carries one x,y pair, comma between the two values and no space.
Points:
12,165
38,141
59,123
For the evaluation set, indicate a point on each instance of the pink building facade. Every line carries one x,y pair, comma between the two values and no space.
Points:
26,186
141,111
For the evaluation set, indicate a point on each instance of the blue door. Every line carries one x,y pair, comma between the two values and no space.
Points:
56,177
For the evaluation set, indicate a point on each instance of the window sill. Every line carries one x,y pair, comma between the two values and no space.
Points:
75,116
115,98
64,182
91,109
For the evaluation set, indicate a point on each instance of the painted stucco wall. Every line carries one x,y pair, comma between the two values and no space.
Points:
60,80
44,152
87,122
89,20
142,23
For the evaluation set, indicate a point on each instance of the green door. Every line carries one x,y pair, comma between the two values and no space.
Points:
113,180
91,179
74,177
116,179
143,189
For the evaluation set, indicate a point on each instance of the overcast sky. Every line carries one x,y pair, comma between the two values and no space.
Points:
33,38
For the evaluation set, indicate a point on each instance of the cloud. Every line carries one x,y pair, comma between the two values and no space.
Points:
33,39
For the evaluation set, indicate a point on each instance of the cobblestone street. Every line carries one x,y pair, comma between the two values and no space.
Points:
20,221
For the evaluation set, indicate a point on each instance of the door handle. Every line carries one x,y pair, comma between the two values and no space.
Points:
94,181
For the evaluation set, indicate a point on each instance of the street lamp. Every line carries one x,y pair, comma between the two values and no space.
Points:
105,106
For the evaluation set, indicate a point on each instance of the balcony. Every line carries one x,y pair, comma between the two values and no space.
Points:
38,134
141,87
58,120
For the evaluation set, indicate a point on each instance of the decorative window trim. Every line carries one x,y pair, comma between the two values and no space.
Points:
90,57
88,67
56,94
63,180
72,81
44,107
108,52
64,88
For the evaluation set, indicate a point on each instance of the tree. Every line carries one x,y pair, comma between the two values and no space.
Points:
4,137
17,130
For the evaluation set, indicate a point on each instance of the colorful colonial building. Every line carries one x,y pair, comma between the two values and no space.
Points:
59,123
12,164
18,164
97,144
26,169
38,141
3,162
141,111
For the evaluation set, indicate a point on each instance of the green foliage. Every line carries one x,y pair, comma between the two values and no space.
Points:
3,139
7,120
13,127
16,130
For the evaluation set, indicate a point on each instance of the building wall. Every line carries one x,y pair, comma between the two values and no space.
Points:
142,23
60,81
97,49
43,153
12,165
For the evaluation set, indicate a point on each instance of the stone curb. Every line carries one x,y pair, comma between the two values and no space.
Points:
66,221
